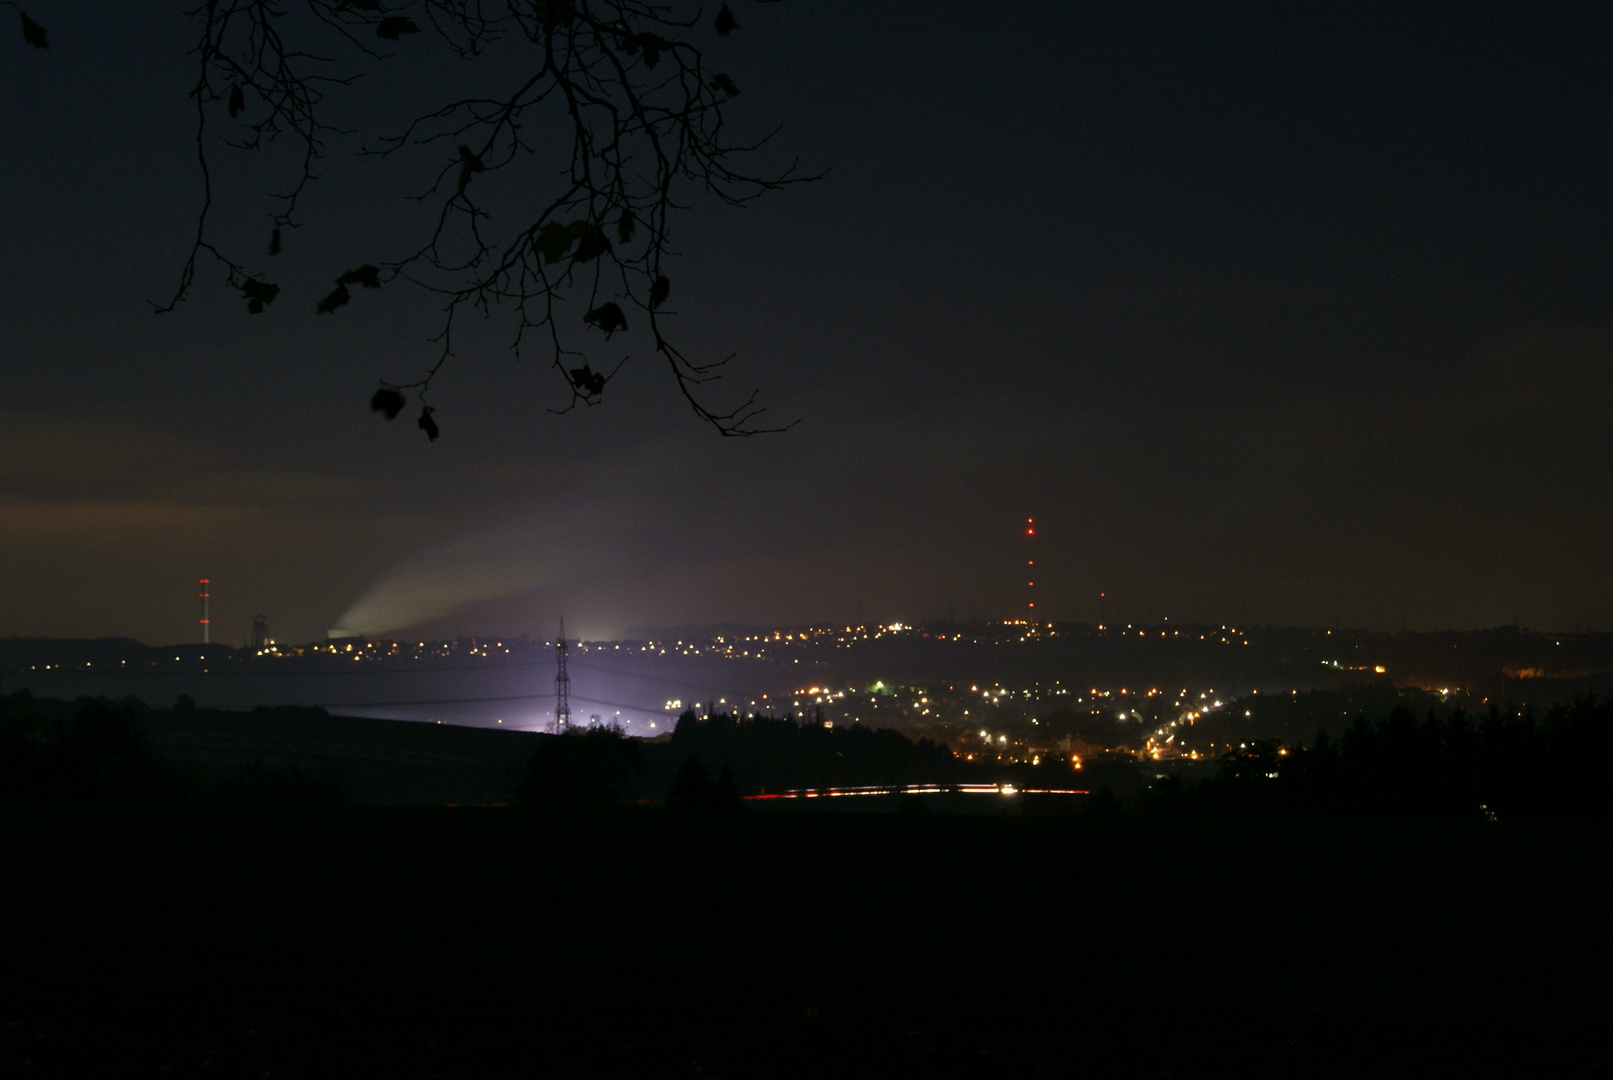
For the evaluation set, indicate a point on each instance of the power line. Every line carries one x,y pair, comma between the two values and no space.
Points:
485,700
434,701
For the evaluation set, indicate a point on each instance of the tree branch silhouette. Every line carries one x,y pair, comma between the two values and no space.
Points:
623,87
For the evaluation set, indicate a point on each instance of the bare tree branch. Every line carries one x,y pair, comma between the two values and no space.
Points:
624,84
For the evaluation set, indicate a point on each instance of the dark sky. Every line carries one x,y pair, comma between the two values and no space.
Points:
1281,313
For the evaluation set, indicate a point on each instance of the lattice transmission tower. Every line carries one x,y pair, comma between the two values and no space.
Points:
562,684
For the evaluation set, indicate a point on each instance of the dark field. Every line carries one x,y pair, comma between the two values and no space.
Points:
410,942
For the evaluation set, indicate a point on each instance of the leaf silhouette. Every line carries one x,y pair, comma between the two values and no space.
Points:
608,317
426,423
33,33
364,5
588,382
468,163
554,241
592,243
653,45
274,242
237,101
625,226
387,401
660,289
258,294
366,275
725,22
722,82
394,25
337,297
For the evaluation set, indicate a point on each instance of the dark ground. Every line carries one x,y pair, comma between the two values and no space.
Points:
171,941
386,762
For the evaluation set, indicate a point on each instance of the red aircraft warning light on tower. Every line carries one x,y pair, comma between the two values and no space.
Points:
1030,578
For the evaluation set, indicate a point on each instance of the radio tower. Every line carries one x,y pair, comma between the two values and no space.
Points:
206,632
1030,579
562,684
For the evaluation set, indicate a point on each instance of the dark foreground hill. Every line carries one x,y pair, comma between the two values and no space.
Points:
152,940
95,748
386,762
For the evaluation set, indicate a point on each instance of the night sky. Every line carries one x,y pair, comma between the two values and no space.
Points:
1269,313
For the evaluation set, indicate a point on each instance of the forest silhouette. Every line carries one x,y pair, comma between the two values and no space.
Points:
1504,763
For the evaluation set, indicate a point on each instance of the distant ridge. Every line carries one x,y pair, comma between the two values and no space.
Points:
24,651
699,631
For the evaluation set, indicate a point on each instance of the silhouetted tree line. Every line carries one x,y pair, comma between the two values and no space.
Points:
767,753
94,750
1299,717
97,750
710,762
590,768
1503,764
694,789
